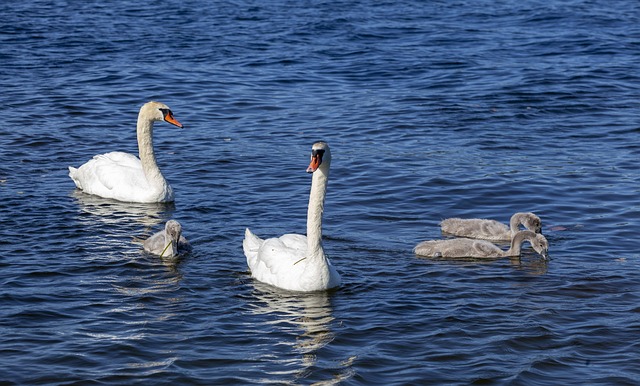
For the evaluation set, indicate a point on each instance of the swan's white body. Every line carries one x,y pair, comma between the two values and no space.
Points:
168,242
296,262
491,229
123,176
481,248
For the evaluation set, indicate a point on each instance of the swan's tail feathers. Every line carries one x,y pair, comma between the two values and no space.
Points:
251,244
73,172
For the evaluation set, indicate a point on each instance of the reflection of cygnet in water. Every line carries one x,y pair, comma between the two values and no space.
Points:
169,242
482,248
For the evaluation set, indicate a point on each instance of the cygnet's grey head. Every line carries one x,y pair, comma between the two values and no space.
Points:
172,231
533,223
541,245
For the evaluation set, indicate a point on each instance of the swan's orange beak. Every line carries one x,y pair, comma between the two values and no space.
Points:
168,117
316,160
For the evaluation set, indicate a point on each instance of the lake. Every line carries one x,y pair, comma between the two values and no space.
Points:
432,110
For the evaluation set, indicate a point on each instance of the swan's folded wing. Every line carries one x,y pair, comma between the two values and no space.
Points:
281,254
117,169
294,242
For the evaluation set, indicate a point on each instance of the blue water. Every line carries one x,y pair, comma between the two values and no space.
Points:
432,109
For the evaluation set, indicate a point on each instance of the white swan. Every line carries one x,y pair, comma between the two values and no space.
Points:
168,242
296,262
124,177
481,248
491,229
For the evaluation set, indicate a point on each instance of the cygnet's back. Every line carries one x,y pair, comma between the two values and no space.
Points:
464,247
491,229
457,248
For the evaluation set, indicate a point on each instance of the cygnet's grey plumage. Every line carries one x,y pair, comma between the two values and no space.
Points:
491,229
158,243
463,247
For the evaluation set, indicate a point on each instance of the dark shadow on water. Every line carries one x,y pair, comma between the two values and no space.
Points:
529,263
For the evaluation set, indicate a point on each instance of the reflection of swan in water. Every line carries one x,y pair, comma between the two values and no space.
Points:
311,312
113,212
311,315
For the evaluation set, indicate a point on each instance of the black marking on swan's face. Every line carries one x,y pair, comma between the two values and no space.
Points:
317,153
167,115
316,160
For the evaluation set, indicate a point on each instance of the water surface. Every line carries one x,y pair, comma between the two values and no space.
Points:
432,110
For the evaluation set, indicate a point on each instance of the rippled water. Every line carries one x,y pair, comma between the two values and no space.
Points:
433,110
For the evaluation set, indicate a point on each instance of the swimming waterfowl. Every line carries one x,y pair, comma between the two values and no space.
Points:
168,242
123,176
463,247
491,229
292,261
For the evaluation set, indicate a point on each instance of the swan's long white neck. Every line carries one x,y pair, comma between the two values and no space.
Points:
146,153
316,207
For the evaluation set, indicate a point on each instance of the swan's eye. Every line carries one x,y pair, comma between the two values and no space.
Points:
317,152
166,112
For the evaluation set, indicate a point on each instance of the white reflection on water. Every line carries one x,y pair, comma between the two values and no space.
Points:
307,316
112,212
142,308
